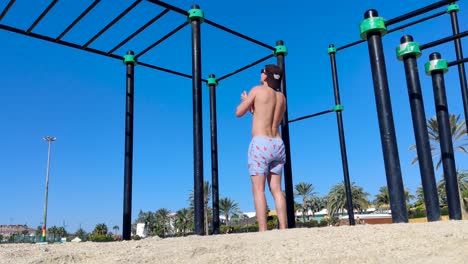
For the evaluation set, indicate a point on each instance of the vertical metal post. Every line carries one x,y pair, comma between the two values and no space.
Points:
197,123
409,51
214,153
339,119
128,162
44,226
436,68
386,124
288,181
459,54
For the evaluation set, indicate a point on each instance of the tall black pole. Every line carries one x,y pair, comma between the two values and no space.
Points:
212,83
409,51
280,53
436,67
339,118
453,9
128,166
196,17
372,28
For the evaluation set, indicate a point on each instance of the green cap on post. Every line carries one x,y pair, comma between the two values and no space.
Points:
338,108
130,58
436,65
372,24
212,81
281,50
196,14
453,8
331,50
408,48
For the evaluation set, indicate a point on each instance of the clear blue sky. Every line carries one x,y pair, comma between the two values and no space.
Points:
78,97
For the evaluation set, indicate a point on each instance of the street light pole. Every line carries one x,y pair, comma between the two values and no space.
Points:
44,227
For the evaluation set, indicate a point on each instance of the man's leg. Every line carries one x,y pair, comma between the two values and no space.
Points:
274,182
258,189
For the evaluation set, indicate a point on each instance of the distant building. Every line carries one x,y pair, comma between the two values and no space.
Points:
8,230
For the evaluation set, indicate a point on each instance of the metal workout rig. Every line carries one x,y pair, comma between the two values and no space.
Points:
194,17
372,29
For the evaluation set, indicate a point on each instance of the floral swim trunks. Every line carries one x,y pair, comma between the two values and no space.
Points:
266,155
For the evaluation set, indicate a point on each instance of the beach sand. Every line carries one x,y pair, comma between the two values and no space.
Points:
437,242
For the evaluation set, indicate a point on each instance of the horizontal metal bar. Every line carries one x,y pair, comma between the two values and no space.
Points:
350,45
453,63
312,115
165,70
43,14
78,19
161,40
99,52
417,21
245,67
61,42
443,40
418,12
171,7
140,30
238,34
112,23
7,8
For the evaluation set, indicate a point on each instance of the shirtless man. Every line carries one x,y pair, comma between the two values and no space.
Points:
266,156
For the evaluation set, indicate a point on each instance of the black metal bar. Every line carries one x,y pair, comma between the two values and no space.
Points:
61,42
7,8
78,19
115,20
350,45
288,179
423,146
344,156
171,7
461,66
309,116
452,63
246,67
128,163
444,40
386,124
99,52
417,21
418,12
197,126
445,139
162,39
43,14
238,34
140,30
214,157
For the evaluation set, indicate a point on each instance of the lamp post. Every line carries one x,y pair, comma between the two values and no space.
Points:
44,227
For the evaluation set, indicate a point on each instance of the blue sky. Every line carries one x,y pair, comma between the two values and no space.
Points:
79,97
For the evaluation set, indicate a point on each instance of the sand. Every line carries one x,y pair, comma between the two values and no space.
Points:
438,242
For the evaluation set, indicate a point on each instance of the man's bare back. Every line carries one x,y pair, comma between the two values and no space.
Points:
267,107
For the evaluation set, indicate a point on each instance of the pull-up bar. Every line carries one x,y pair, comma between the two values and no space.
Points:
312,115
407,16
43,14
443,40
78,19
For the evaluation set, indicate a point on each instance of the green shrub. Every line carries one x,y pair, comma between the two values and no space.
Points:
101,238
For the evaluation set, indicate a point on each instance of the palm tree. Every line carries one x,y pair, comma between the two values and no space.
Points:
206,201
100,229
116,229
162,222
458,129
336,199
383,198
61,232
183,219
80,233
315,204
462,187
304,190
149,219
228,207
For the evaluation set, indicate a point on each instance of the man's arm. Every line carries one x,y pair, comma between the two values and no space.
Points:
246,104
